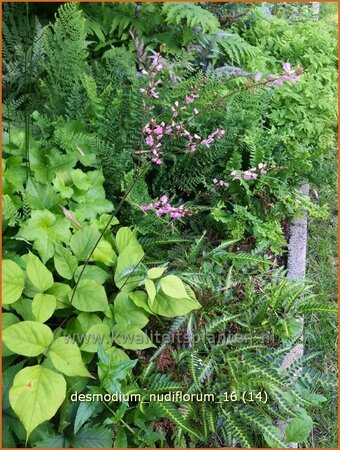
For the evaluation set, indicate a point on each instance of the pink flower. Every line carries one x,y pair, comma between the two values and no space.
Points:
188,99
286,67
149,140
158,130
164,199
258,76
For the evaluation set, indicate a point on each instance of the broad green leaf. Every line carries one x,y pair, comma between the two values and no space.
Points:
173,286
13,282
87,320
97,334
66,357
36,395
104,253
116,354
61,292
8,319
151,290
43,306
171,307
127,262
80,179
65,263
27,338
90,296
299,428
123,237
83,241
7,381
155,272
45,229
23,307
40,277
127,313
132,338
92,272
140,298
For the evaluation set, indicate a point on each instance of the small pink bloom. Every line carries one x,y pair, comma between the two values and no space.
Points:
286,67
188,99
149,140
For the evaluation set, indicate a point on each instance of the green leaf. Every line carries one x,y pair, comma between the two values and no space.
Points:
90,296
132,339
48,440
173,286
66,357
123,237
104,253
45,229
151,290
155,272
97,334
171,307
65,263
121,439
140,298
299,428
126,312
8,319
27,338
7,381
13,282
92,436
80,179
130,255
83,241
61,292
92,272
84,412
43,306
36,395
87,320
40,277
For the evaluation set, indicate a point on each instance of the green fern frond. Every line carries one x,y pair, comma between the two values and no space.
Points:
172,413
236,429
192,14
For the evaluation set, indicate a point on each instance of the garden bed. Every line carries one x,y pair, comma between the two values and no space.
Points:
151,167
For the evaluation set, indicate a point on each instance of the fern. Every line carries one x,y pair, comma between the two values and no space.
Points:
192,14
236,429
171,412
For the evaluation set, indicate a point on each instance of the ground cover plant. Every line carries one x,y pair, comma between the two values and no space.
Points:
152,158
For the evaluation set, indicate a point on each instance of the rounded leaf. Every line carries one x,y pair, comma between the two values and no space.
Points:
13,282
66,357
36,395
173,287
40,277
27,338
90,296
43,306
155,272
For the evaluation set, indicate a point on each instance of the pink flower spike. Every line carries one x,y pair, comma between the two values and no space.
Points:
164,199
